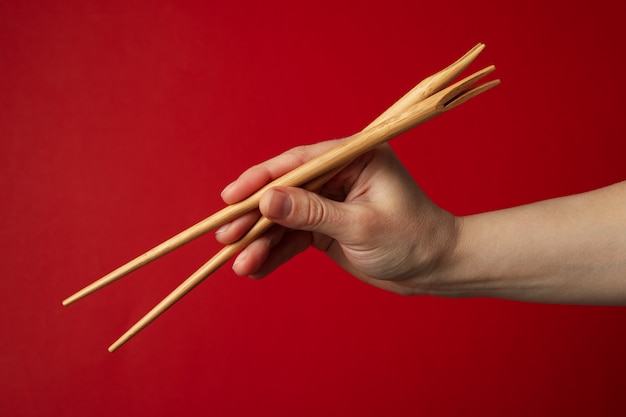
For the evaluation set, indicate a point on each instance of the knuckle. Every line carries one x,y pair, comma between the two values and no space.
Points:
297,155
316,214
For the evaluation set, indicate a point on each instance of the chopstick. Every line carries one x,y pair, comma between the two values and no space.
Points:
426,100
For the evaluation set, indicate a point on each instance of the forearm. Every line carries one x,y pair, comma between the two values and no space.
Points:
565,250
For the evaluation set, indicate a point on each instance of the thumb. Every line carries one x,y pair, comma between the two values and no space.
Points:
300,209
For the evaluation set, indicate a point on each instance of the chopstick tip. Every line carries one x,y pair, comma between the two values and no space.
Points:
116,345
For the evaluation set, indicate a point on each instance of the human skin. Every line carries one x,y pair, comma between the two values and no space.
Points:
374,221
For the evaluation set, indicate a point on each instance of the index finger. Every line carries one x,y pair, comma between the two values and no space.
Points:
261,174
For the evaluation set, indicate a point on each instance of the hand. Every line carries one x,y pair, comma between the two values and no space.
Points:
371,218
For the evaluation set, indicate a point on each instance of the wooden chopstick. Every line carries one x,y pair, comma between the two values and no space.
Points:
428,99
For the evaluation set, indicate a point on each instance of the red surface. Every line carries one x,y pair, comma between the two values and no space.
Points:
120,124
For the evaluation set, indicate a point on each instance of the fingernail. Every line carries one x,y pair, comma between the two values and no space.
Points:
279,205
222,229
240,258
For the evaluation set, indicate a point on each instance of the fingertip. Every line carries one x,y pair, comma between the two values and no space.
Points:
226,193
248,183
219,232
239,264
234,230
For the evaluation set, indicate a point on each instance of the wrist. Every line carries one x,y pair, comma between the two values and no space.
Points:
461,271
449,277
438,257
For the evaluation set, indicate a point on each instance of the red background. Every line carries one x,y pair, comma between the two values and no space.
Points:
120,123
